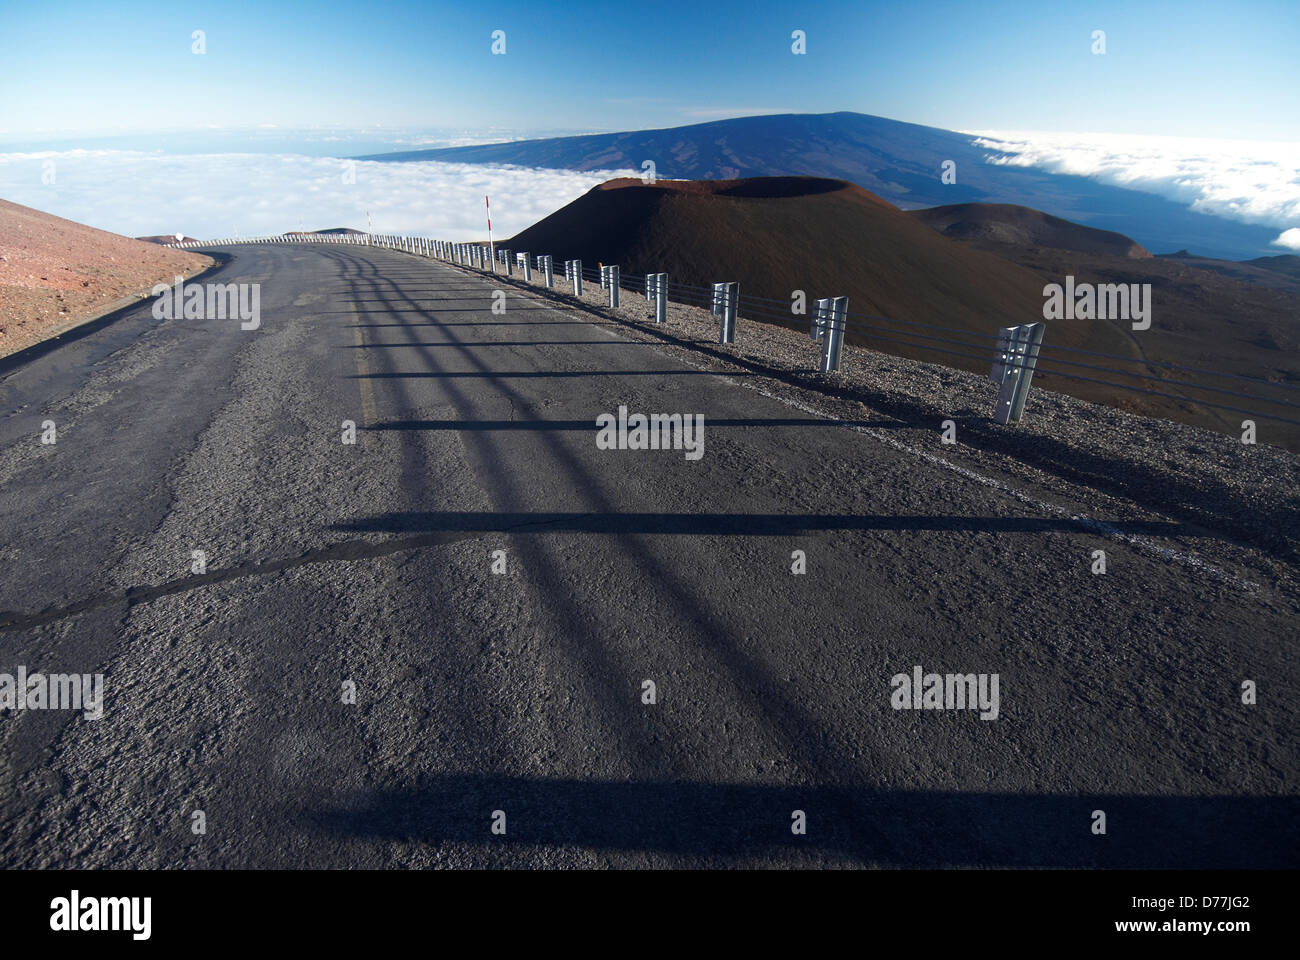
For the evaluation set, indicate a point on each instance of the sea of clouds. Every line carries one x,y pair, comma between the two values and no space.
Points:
218,194
140,193
1254,181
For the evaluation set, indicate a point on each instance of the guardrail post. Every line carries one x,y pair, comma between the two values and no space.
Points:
510,262
730,294
817,329
661,297
528,269
613,285
577,278
719,293
550,273
833,338
649,284
1013,370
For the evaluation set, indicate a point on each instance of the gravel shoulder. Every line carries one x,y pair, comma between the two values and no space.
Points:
1106,461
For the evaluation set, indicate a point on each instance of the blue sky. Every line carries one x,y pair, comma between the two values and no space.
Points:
1188,69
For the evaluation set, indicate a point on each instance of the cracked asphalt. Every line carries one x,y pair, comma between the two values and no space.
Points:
370,566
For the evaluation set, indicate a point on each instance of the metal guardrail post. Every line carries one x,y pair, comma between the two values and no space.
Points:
613,285
528,268
1013,369
730,306
549,272
833,339
661,297
577,278
817,329
718,294
510,263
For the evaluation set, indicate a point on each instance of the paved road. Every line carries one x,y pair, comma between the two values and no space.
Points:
372,564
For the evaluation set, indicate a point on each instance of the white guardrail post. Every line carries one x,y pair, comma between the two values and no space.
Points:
833,338
730,294
613,285
577,278
817,328
528,269
1013,370
661,297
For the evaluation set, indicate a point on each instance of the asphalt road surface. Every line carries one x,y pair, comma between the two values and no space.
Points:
226,741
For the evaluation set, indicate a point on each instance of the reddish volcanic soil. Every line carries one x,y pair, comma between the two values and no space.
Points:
55,273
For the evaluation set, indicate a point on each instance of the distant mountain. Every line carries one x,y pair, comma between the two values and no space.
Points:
1281,272
1006,223
901,162
1287,264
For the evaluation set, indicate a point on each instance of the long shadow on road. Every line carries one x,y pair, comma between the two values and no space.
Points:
925,828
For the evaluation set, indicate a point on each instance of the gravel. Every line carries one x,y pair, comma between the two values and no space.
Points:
1068,451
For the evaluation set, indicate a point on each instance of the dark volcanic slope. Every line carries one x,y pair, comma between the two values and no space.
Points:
901,162
829,238
1007,223
781,234
826,237
1287,263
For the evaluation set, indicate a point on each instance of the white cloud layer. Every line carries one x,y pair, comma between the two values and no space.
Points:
217,195
1289,239
1254,181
